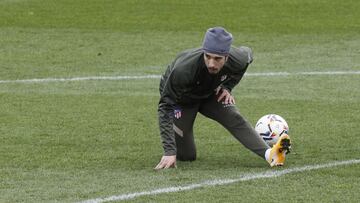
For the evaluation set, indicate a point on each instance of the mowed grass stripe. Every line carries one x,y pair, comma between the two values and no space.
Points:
242,178
129,77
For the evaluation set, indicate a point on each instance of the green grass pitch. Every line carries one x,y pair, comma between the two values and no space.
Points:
70,141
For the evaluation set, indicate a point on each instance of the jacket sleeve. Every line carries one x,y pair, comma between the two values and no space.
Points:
165,113
238,62
232,81
172,86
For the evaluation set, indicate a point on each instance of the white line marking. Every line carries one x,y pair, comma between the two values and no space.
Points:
81,79
304,73
128,77
242,178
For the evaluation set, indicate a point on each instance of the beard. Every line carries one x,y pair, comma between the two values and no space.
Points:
213,71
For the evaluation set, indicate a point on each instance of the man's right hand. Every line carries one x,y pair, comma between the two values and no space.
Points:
224,95
166,162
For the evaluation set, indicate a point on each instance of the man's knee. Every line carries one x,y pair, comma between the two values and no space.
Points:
186,156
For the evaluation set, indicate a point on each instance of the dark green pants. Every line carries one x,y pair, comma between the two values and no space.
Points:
226,115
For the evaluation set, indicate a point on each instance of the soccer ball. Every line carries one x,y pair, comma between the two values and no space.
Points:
271,127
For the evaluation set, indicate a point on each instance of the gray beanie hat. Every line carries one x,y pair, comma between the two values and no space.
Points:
217,41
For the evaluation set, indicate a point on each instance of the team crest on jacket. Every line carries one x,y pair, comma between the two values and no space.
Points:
177,113
223,78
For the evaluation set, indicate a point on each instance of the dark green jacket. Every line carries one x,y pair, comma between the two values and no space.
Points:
187,81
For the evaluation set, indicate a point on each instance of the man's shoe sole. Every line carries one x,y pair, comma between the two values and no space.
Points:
285,145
